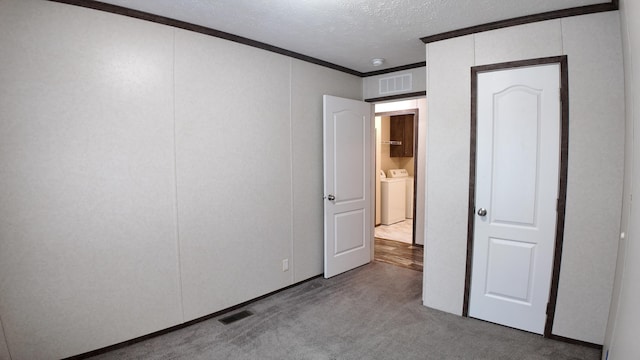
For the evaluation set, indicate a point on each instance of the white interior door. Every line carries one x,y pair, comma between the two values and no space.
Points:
517,170
348,230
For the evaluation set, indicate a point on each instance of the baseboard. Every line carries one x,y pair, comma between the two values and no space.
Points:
181,326
574,341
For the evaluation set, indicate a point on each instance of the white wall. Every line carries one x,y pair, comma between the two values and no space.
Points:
624,318
219,197
596,135
88,252
116,217
448,86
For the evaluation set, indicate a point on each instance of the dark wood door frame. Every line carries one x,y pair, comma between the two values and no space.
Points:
562,189
416,121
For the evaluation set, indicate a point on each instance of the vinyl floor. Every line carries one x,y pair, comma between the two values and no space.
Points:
400,231
399,254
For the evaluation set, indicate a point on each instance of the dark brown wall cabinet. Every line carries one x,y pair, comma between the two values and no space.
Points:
401,129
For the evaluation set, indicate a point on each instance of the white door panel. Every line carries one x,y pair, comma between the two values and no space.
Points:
349,156
517,170
515,154
508,271
350,225
348,160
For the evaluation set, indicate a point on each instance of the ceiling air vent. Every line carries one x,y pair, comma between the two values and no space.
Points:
394,84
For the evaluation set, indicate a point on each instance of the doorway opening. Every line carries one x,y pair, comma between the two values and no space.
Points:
398,173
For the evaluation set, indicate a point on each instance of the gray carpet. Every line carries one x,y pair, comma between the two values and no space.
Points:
373,312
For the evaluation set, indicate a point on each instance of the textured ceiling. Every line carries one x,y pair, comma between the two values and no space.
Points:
348,33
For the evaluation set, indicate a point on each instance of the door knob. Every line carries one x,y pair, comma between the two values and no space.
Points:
482,212
331,197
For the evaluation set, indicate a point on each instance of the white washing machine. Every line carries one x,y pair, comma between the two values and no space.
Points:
404,174
392,199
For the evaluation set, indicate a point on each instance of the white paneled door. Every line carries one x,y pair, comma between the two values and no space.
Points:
348,230
517,180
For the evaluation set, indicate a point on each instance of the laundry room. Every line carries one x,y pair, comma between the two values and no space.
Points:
398,135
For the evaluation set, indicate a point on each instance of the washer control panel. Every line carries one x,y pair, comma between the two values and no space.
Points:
398,173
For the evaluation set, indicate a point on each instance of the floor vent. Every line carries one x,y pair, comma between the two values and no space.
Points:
235,317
